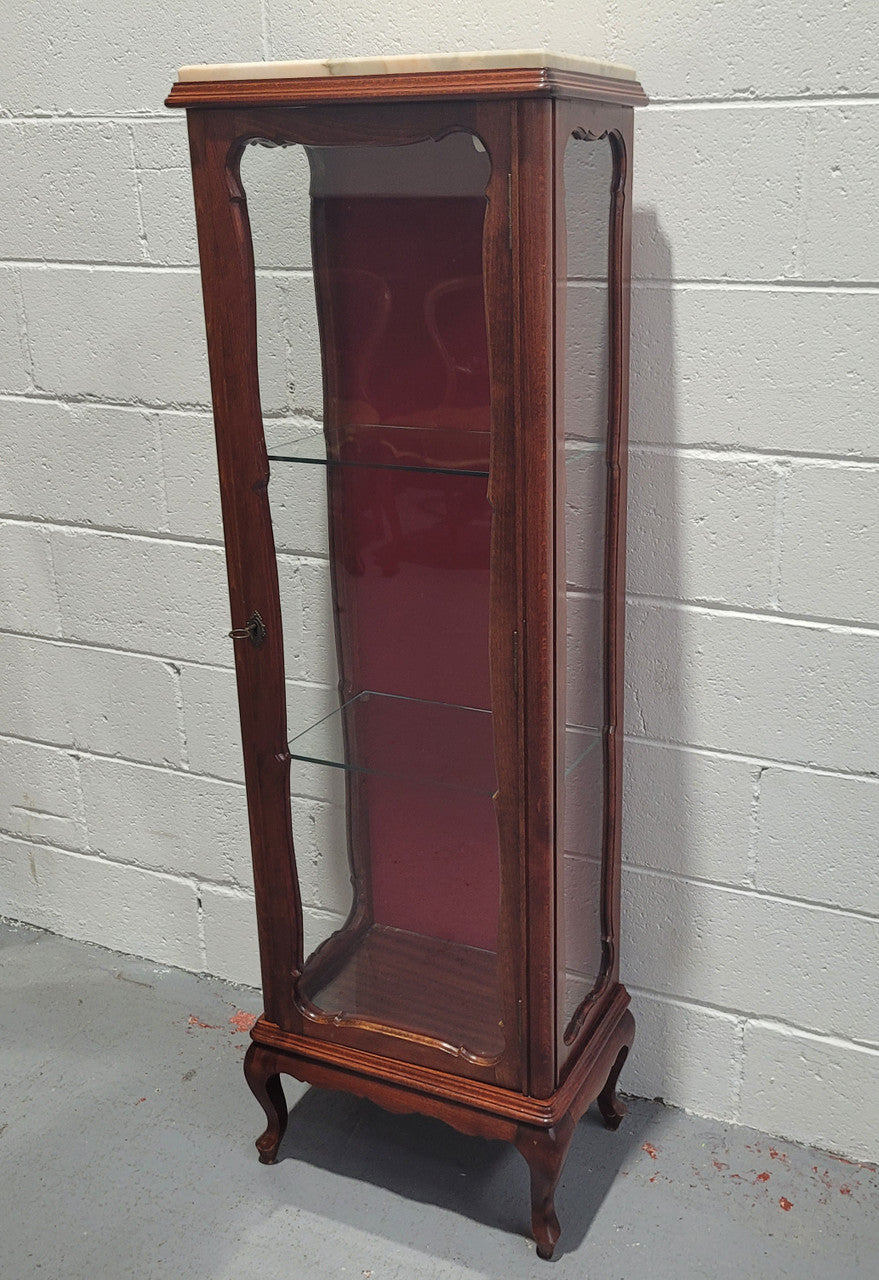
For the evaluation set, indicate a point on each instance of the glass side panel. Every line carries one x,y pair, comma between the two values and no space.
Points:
588,172
379,458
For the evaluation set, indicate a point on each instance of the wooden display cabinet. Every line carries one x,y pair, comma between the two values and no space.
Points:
426,570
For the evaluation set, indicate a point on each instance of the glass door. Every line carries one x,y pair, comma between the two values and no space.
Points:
378,440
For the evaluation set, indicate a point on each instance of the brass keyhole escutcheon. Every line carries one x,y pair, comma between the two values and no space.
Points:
253,630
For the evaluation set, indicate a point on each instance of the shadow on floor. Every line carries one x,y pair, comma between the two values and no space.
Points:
423,1160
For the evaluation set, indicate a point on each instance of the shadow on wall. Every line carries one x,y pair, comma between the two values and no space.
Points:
659,780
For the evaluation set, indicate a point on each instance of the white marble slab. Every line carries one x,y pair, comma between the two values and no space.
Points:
406,63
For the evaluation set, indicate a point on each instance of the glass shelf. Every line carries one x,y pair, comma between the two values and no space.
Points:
434,450
434,743
388,736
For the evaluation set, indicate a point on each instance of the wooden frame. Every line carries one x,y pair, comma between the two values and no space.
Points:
527,1095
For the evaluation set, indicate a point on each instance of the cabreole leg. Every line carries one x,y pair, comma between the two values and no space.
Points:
261,1073
545,1151
612,1110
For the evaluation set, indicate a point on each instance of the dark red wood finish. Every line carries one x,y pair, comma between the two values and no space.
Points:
525,1094
502,82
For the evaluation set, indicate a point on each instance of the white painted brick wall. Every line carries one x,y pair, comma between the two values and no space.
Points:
752,780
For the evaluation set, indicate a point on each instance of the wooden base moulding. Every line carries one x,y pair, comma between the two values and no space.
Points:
540,1128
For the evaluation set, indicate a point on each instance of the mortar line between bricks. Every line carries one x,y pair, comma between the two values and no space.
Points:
773,1020
301,682
76,400
732,102
739,453
778,284
751,891
178,877
55,117
722,753
834,626
116,268
147,535
53,573
199,409
89,753
746,890
177,684
707,449
773,101
23,336
81,812
103,757
802,176
160,966
782,284
199,924
80,753
776,549
138,186
155,422
738,1091
754,825
266,31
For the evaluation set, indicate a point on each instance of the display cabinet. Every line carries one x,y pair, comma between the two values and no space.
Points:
419,360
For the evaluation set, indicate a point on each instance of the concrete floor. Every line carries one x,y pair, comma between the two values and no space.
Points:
126,1150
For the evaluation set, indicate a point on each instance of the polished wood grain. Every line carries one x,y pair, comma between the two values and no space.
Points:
510,82
541,1131
418,985
533,236
591,1068
522,1089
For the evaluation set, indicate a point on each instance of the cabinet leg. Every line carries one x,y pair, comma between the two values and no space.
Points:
545,1151
261,1073
612,1110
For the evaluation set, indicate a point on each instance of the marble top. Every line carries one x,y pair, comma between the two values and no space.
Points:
406,63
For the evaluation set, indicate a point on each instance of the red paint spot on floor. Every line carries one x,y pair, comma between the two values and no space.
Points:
778,1155
845,1191
206,1026
785,1204
763,1177
139,1101
653,1179
719,1165
650,1149
242,1021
